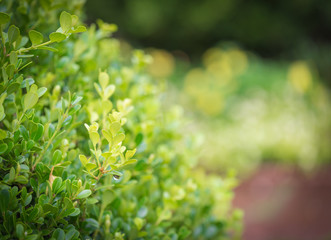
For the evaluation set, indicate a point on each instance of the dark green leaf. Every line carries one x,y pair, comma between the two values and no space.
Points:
58,234
3,148
13,33
4,18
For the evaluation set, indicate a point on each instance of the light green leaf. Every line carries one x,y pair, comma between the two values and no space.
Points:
118,138
36,37
84,194
65,21
12,174
103,79
30,99
41,91
94,136
57,37
83,159
90,166
79,29
129,154
115,127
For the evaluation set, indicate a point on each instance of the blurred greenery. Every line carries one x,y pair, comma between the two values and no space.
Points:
276,29
252,110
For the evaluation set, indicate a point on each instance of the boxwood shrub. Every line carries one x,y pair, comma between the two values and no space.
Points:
90,148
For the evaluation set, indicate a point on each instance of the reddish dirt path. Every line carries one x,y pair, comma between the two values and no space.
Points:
285,204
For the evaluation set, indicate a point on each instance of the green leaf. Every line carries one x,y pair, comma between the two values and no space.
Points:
103,79
115,127
21,179
77,100
36,37
30,99
75,213
83,159
38,133
3,148
41,91
58,234
4,18
65,21
118,138
28,81
56,184
10,70
79,29
13,57
129,153
24,133
84,194
139,139
19,231
57,37
90,166
12,174
4,200
57,157
93,223
50,208
94,136
12,88
13,33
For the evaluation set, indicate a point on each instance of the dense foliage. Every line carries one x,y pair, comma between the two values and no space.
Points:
89,146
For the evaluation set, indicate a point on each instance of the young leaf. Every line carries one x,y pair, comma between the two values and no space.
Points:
79,29
115,127
83,159
36,37
65,21
41,91
57,37
30,99
84,194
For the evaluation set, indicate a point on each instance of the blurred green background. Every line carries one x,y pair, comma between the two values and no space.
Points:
277,29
